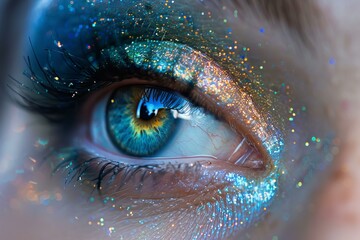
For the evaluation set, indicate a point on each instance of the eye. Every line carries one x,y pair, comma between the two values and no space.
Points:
171,133
144,121
148,122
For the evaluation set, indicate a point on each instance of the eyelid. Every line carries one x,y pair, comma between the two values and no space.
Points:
200,73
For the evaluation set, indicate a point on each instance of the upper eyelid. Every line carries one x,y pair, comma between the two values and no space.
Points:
184,64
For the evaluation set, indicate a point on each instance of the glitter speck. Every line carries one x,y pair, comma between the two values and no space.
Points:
43,142
332,61
111,230
299,184
235,13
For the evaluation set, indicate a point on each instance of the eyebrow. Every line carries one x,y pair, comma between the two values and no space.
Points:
302,18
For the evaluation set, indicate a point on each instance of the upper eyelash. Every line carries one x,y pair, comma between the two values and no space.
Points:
52,94
53,91
109,169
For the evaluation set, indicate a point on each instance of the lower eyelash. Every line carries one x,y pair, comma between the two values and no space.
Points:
102,173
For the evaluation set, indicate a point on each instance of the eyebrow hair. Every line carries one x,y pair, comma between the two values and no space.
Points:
302,18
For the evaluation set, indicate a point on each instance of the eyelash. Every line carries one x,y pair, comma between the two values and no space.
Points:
110,170
67,90
57,94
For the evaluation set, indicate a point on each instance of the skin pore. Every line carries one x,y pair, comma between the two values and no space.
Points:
331,210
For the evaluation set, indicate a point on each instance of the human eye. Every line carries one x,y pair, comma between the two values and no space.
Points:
148,123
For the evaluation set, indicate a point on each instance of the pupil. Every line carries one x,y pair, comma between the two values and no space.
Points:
147,112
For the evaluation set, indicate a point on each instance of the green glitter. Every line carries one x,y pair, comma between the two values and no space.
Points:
236,13
43,142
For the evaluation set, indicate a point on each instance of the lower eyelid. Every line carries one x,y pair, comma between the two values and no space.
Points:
203,190
199,171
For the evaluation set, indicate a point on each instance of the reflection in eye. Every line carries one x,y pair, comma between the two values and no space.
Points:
141,121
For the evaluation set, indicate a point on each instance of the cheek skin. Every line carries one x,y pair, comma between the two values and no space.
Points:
337,203
337,214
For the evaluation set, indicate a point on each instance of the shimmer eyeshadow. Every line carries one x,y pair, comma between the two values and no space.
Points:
194,69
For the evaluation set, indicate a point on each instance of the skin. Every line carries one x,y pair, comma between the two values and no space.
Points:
336,209
332,211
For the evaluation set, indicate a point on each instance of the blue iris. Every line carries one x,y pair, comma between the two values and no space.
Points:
140,120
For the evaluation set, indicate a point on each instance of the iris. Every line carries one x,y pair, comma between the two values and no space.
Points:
141,120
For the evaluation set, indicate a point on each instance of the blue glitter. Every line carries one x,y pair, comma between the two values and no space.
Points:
332,61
